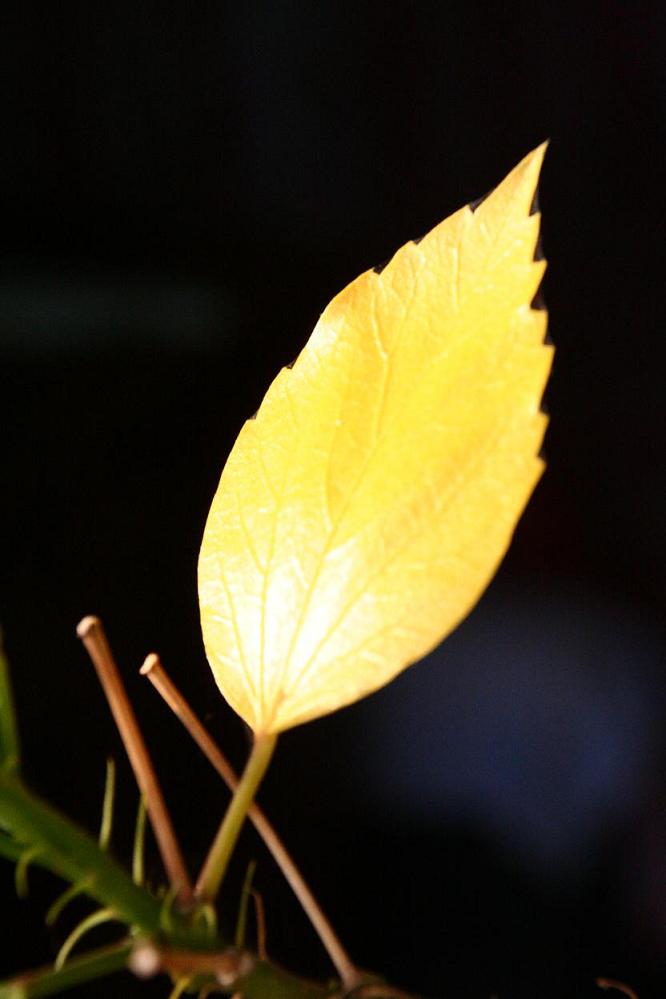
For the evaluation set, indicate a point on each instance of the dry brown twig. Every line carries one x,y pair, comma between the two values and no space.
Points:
91,632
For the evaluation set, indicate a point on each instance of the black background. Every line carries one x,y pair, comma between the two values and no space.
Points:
185,187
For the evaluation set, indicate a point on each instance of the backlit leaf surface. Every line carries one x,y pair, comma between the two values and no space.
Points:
363,511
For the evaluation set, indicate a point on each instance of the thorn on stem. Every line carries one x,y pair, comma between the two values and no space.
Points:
260,916
21,872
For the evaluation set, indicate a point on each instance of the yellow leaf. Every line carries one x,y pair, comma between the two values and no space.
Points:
366,507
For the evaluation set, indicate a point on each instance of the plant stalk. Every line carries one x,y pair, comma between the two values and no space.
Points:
234,972
47,981
214,869
160,679
72,854
91,633
9,740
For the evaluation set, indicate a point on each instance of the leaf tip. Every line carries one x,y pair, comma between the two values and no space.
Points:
518,192
528,171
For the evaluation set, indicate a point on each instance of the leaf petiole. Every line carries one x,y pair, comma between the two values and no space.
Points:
214,869
162,682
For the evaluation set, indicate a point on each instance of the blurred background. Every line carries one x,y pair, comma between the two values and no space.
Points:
185,186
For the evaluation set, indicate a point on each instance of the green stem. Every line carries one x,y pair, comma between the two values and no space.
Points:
9,741
106,827
9,848
270,980
246,890
139,848
217,861
47,981
73,855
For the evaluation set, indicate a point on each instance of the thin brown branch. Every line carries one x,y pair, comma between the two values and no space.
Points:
233,971
154,670
227,965
91,633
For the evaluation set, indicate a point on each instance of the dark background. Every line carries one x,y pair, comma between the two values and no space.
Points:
185,187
